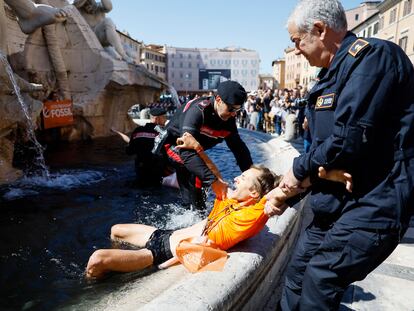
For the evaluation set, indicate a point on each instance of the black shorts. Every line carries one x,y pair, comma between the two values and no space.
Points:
159,245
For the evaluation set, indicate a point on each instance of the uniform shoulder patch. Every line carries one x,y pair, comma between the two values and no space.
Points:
357,47
325,101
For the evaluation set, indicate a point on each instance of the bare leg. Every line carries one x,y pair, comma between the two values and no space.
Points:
32,16
105,260
132,233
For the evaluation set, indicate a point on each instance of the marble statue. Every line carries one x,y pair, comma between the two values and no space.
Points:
32,16
94,13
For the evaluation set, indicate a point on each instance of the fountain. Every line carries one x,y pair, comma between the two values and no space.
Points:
66,58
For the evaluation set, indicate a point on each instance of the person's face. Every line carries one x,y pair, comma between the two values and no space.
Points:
225,111
160,120
307,44
245,186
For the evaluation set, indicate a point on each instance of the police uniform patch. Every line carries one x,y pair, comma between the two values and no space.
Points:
357,47
325,101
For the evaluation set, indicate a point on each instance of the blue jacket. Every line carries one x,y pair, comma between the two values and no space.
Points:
362,120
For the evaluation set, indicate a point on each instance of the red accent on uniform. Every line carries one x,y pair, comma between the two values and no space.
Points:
173,155
214,133
198,183
144,135
188,105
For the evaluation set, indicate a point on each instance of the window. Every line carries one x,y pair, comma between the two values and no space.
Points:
172,75
181,75
403,43
407,7
369,32
172,64
181,64
356,17
381,23
189,65
376,28
181,55
189,56
393,15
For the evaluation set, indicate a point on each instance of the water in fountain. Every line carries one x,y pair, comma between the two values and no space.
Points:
39,164
49,230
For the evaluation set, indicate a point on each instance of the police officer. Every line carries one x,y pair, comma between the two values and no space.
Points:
149,168
210,120
362,121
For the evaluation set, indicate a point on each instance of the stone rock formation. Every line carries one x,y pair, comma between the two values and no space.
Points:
102,88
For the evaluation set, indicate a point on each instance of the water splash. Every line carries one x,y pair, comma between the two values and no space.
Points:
65,180
39,162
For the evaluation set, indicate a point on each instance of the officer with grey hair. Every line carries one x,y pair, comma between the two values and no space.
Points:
361,121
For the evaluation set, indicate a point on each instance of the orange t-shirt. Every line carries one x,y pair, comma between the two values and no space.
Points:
232,223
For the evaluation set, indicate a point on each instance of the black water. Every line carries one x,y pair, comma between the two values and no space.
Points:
49,229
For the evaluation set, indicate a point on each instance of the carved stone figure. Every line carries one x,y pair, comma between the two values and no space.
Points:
94,13
32,16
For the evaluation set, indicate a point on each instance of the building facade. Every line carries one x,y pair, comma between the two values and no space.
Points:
278,66
192,70
361,13
154,59
394,21
396,24
293,68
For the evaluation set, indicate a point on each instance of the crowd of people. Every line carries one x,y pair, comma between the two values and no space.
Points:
267,110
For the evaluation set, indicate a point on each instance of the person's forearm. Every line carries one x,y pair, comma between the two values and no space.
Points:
209,163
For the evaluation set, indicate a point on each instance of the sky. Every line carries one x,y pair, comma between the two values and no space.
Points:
259,25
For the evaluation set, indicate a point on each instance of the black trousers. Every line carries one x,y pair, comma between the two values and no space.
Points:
190,188
328,259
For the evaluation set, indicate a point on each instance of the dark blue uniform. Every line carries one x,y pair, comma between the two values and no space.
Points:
149,168
198,118
362,121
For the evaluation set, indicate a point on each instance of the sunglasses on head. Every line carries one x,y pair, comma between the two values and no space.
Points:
233,108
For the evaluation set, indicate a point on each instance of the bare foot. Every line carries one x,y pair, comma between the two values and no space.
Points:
42,15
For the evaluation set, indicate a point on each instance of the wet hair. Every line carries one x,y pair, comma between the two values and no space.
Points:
331,12
266,181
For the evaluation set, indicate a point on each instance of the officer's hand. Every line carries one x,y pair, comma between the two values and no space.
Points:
187,141
220,188
337,176
289,183
270,209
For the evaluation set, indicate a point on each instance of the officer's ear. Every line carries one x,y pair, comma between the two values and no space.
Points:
320,29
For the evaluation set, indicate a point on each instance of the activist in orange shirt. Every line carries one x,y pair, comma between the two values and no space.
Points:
201,246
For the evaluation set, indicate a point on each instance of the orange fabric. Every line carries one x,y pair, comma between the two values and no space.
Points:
200,257
229,224
240,224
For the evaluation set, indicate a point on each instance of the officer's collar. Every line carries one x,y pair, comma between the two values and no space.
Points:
343,50
326,73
